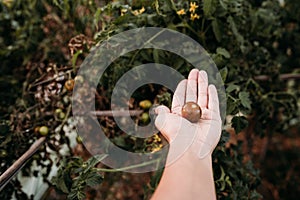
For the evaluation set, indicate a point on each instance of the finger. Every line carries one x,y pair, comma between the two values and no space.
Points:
179,97
213,99
202,89
162,109
191,88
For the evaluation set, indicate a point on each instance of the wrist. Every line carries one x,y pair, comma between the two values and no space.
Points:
190,177
189,161
188,157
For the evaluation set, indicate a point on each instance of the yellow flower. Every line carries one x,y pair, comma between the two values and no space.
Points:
142,10
194,16
157,148
123,11
193,7
135,12
181,12
157,138
138,12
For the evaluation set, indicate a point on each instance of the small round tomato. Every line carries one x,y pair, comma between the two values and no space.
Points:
58,110
191,111
3,153
44,130
62,115
145,104
79,79
36,129
59,113
69,84
145,117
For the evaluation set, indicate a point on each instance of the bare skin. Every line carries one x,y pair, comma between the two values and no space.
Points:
190,176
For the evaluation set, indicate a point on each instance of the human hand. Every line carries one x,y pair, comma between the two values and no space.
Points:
199,138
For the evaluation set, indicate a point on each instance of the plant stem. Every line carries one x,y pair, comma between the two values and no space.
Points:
129,167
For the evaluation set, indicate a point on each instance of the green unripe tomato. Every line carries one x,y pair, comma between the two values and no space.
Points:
61,115
3,153
58,110
44,130
79,139
145,117
79,79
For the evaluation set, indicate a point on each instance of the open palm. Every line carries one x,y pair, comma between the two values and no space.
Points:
201,137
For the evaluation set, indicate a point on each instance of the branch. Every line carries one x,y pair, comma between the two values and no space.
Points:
116,113
281,77
18,164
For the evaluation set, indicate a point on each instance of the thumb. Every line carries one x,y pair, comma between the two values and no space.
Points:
167,123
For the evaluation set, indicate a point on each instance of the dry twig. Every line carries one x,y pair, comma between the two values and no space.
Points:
18,164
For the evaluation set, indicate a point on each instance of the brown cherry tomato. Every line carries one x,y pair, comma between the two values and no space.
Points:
191,111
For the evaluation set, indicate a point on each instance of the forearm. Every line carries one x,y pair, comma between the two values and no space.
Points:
189,178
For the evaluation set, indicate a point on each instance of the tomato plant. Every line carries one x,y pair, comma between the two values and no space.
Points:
255,45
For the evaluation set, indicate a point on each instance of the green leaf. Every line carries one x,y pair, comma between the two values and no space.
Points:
76,195
58,4
93,179
62,180
231,107
232,87
75,56
245,100
178,64
224,72
228,181
221,180
216,30
156,55
234,30
239,123
223,52
222,174
157,8
73,162
223,4
91,162
208,7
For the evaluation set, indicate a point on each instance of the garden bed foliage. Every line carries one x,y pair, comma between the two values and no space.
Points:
43,43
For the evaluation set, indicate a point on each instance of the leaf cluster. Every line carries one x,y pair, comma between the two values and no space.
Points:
74,175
